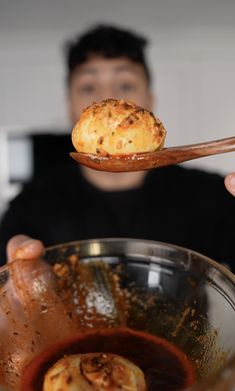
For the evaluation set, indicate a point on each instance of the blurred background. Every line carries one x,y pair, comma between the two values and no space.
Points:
191,55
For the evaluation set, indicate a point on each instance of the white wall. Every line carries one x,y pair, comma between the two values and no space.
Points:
191,52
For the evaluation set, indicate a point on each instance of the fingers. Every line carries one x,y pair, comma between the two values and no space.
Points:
22,246
230,183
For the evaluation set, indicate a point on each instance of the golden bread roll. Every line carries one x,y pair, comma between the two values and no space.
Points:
94,372
117,127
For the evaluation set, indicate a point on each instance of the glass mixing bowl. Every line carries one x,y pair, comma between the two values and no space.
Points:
165,290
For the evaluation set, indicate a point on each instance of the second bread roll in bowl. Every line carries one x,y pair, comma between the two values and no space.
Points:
117,127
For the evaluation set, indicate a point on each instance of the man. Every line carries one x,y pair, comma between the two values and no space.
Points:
190,208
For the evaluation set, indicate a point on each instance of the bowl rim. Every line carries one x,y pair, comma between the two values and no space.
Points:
221,268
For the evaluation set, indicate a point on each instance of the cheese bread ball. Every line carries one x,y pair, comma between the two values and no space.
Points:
94,372
117,127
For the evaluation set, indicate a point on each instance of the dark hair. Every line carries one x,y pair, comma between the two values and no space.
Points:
109,42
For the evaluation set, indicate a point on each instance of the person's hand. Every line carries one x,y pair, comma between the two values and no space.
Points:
230,183
33,313
29,255
24,247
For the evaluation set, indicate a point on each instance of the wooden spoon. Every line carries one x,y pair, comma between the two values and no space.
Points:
149,160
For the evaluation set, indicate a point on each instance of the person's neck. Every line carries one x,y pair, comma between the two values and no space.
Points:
109,181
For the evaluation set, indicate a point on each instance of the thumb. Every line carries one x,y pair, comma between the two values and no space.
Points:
22,246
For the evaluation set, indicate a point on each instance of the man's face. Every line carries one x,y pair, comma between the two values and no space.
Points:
100,78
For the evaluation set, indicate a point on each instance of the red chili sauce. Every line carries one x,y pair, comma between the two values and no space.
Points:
166,367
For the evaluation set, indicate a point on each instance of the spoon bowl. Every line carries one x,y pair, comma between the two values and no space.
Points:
150,160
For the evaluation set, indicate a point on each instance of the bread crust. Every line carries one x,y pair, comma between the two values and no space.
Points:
117,127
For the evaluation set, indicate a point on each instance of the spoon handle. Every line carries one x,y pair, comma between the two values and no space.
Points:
183,153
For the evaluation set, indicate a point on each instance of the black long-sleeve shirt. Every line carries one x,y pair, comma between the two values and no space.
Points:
190,208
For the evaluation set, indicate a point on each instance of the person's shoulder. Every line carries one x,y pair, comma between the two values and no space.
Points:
195,175
181,173
54,183
178,179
